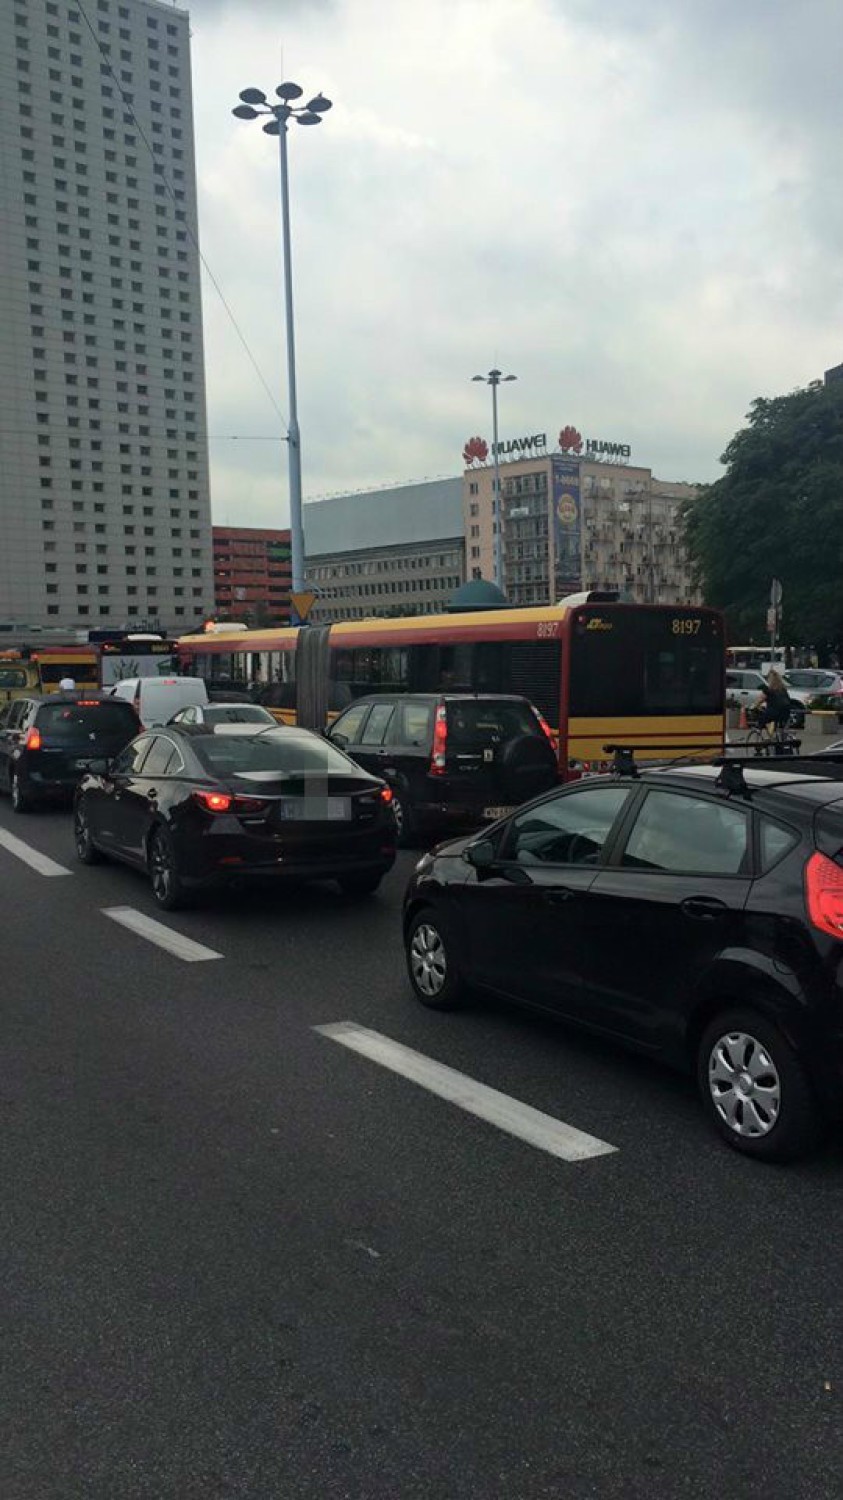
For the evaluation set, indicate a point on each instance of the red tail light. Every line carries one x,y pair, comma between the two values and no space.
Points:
214,802
824,894
440,742
386,794
33,739
87,702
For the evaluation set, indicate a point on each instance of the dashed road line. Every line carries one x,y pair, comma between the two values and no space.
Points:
164,937
508,1114
32,857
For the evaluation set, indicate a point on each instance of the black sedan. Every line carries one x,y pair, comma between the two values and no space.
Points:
695,915
195,806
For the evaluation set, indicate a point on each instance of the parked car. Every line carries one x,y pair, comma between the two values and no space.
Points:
695,915
743,687
451,759
806,683
194,806
156,699
220,714
46,742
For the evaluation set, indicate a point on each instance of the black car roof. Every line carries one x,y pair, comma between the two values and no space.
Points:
794,784
442,697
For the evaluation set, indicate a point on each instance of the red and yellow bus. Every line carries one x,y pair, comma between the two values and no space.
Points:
599,672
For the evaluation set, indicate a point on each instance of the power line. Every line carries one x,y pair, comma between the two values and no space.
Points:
193,238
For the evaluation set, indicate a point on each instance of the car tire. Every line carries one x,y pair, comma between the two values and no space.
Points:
405,822
432,962
86,850
21,801
165,877
756,1089
363,884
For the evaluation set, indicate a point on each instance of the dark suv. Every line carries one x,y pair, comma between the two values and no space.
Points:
452,759
47,742
695,915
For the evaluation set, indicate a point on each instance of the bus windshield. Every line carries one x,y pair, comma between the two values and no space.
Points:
645,663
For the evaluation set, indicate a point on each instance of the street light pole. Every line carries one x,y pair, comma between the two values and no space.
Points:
494,379
254,105
293,433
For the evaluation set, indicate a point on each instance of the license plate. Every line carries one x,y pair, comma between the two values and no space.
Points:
315,810
493,813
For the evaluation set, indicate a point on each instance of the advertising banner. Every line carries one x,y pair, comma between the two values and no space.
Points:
567,525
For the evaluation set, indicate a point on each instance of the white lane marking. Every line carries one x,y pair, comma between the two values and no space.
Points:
31,857
508,1114
155,932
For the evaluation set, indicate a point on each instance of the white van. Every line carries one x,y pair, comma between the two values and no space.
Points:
156,699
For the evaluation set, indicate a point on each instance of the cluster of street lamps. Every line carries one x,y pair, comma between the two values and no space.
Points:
494,379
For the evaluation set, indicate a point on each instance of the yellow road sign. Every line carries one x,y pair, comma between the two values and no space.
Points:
303,603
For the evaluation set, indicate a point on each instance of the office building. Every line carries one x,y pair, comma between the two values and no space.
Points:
252,575
104,496
394,551
575,521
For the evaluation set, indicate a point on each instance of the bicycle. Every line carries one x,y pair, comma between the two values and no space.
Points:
770,738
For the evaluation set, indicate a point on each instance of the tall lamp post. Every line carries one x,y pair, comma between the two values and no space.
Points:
255,105
494,379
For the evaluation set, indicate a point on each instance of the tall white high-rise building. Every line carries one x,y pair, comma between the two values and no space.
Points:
104,497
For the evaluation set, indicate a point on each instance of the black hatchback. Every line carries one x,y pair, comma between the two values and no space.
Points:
695,915
452,760
47,742
197,806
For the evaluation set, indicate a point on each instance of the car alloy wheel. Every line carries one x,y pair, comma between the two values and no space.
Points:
404,824
745,1085
163,871
86,850
20,801
428,960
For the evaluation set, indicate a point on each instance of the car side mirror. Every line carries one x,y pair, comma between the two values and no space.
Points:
99,767
481,856
337,739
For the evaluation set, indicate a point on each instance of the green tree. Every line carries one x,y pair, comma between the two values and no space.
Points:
777,512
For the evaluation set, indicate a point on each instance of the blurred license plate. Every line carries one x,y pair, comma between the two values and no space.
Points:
316,809
493,813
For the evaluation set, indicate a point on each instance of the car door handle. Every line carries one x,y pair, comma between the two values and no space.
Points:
557,895
704,908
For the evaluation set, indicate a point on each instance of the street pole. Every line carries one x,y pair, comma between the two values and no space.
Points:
497,508
293,437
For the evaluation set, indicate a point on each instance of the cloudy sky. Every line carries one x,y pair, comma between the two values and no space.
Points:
634,205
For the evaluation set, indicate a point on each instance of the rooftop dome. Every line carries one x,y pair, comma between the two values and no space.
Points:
478,593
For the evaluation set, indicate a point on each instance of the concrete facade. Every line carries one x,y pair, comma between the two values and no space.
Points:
104,492
397,550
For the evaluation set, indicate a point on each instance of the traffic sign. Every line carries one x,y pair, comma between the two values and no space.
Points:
303,603
776,593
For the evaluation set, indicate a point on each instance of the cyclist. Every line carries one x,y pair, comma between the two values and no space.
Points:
773,703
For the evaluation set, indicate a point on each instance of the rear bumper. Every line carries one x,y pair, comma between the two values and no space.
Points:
221,854
289,871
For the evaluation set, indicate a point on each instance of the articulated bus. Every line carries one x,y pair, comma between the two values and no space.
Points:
600,672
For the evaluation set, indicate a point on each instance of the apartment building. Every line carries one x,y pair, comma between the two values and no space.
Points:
104,492
572,523
252,574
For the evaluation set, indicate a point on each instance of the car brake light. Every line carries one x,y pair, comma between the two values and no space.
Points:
87,702
386,794
824,894
215,802
33,739
440,742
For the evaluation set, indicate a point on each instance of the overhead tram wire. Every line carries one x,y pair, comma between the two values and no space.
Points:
161,176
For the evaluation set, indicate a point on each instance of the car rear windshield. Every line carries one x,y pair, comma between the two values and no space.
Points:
277,753
475,725
91,722
237,713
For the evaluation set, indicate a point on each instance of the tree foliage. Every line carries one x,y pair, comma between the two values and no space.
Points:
777,512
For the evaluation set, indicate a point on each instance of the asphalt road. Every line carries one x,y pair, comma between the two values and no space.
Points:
241,1260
